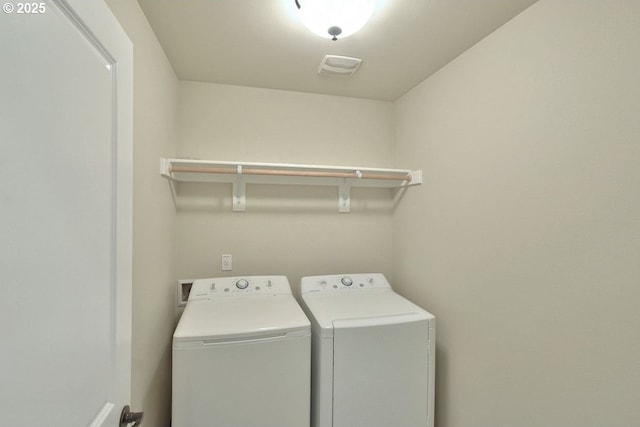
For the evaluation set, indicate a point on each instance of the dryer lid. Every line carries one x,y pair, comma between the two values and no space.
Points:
369,308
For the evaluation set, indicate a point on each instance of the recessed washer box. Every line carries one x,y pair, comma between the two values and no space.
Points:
183,290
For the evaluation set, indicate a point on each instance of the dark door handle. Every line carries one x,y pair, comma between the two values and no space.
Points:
127,417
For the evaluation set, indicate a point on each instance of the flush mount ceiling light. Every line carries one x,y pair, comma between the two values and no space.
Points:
335,18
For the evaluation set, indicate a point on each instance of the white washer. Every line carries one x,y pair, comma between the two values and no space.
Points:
241,356
373,353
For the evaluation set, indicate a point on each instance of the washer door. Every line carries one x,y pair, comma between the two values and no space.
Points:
381,372
246,383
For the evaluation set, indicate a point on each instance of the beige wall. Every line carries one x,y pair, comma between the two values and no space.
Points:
524,240
288,230
155,136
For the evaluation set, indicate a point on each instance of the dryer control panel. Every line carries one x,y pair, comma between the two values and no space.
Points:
220,287
343,282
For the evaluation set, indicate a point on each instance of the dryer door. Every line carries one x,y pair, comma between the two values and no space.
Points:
381,371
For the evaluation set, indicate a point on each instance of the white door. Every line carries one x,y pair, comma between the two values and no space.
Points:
65,214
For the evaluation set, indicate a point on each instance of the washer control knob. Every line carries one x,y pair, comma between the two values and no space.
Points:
242,284
346,280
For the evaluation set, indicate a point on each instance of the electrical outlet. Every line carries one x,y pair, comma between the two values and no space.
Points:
226,262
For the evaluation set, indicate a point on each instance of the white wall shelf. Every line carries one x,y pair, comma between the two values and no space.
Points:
241,173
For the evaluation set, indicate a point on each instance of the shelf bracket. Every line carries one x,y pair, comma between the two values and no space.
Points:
239,188
344,197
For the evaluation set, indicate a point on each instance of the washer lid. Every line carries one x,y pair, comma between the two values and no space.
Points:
367,308
240,318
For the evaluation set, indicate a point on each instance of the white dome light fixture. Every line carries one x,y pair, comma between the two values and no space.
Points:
335,18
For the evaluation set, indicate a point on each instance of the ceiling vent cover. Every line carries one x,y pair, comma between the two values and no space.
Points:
339,65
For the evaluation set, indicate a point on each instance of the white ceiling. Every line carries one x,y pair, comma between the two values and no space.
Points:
261,43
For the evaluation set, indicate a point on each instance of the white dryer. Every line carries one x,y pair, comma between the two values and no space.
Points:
241,356
373,354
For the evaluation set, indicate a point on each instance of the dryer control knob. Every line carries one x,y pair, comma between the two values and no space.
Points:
346,281
242,284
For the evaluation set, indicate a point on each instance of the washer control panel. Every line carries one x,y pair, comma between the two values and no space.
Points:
343,282
235,286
